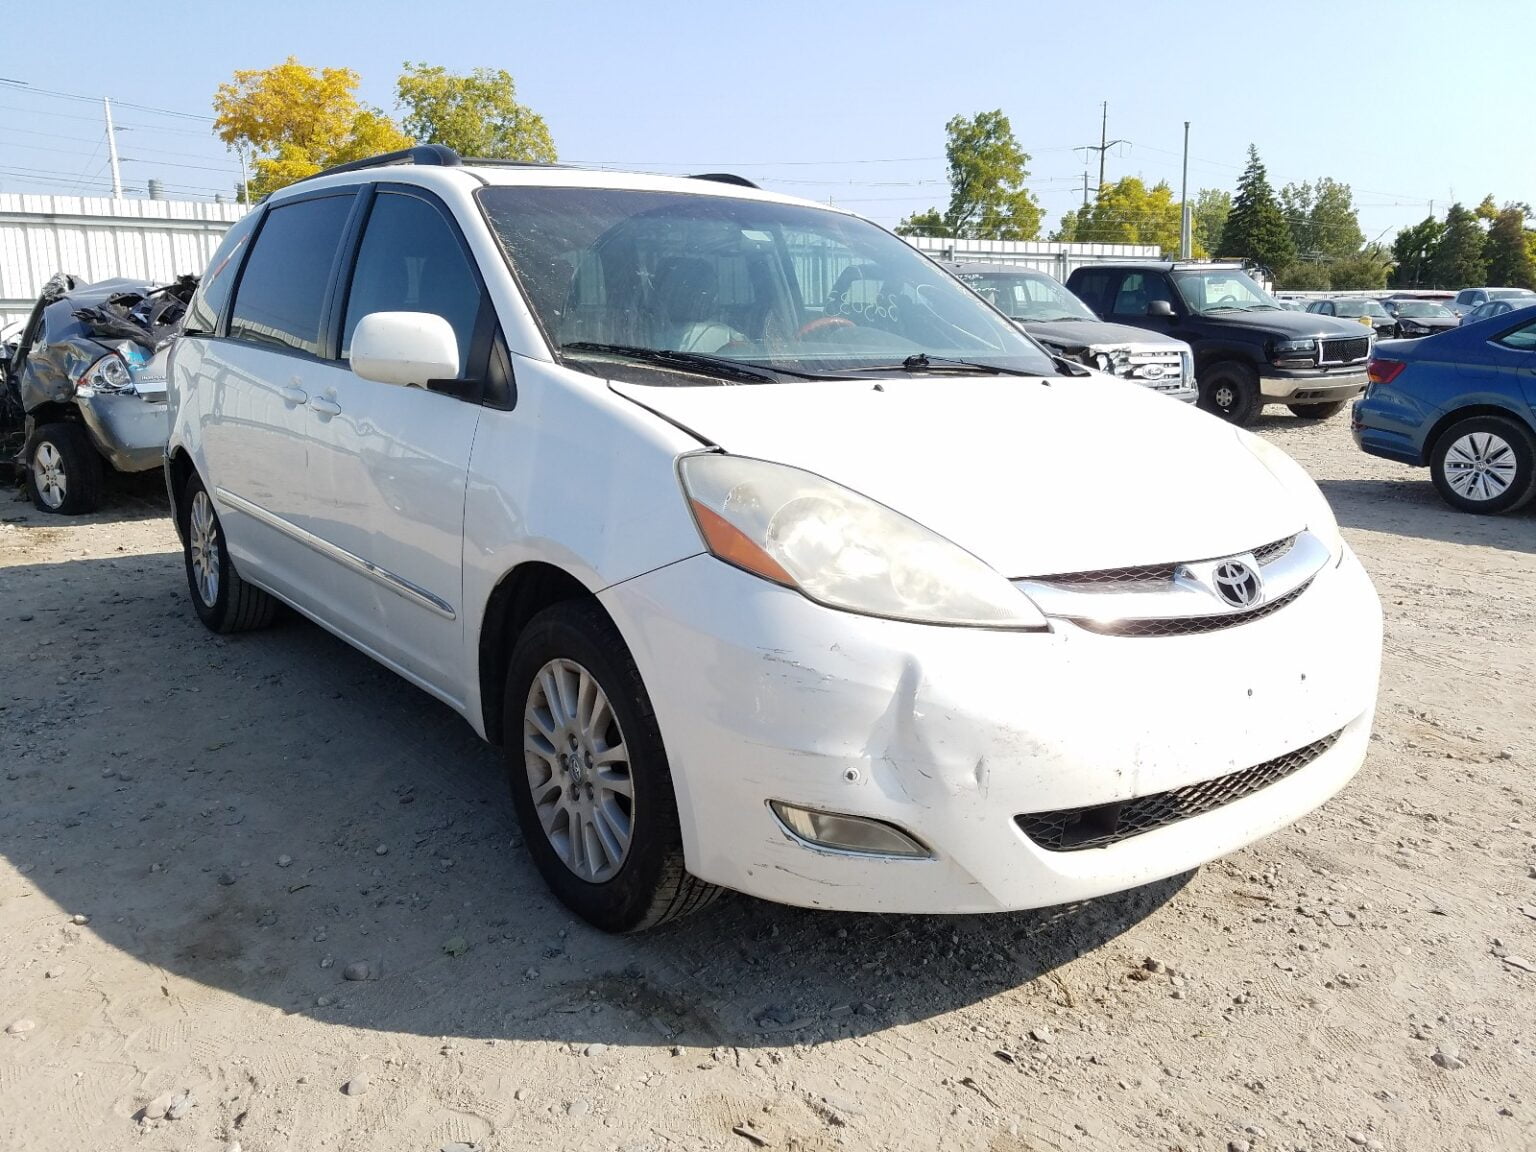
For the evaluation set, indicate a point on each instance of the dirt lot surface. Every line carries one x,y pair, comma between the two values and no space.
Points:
200,839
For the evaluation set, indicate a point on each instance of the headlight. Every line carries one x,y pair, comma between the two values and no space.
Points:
1295,480
842,549
1294,347
109,374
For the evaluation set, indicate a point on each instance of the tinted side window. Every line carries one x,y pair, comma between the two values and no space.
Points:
1091,288
411,261
1137,291
213,292
1522,338
282,290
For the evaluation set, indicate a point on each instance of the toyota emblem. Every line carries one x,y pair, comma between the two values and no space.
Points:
1238,584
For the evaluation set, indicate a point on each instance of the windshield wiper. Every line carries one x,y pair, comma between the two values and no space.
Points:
696,361
922,362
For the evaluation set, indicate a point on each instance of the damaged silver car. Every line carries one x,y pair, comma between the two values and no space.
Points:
85,386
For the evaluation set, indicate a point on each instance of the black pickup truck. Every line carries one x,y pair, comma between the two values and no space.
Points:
1249,351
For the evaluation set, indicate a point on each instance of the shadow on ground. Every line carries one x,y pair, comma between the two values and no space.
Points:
139,496
217,806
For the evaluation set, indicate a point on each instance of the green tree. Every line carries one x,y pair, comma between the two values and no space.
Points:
1128,212
1487,211
1508,250
475,114
1411,252
1256,229
987,196
295,120
1322,218
1459,259
1305,276
1212,207
1365,270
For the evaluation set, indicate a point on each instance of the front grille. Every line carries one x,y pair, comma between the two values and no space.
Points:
1272,552
1346,351
1146,573
1074,829
1187,625
1140,574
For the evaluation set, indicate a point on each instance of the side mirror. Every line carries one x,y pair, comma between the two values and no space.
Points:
404,348
1160,308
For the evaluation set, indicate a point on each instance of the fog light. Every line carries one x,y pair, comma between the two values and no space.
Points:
846,833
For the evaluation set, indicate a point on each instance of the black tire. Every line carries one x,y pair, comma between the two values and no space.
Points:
1519,451
651,884
65,475
1322,411
1230,389
235,605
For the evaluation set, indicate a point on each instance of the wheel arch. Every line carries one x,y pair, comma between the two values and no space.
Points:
518,597
178,470
1467,412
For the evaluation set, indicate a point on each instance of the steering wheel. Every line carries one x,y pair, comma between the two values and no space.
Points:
1224,300
823,324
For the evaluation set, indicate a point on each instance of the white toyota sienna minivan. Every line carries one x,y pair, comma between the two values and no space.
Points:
773,558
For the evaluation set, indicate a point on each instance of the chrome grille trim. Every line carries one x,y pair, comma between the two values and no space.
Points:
1176,599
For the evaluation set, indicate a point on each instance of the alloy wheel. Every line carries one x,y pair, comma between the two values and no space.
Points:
49,475
578,771
1480,466
203,541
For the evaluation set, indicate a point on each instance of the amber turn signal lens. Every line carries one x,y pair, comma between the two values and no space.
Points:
732,545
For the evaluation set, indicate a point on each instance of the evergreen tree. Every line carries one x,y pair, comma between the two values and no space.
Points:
1256,229
1509,256
1459,259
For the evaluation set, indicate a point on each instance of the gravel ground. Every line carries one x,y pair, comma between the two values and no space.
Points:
258,892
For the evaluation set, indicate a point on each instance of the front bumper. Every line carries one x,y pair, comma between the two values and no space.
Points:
1311,385
950,733
129,431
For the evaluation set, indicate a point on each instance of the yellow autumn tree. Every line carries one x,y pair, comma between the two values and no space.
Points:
294,120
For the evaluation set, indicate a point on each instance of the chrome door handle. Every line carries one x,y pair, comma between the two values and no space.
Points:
292,396
326,408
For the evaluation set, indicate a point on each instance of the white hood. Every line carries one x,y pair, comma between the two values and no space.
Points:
1035,477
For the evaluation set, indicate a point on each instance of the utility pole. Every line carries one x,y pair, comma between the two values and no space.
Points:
1085,187
245,183
117,175
1104,144
1185,228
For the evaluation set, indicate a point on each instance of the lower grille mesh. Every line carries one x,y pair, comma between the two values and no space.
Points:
1074,829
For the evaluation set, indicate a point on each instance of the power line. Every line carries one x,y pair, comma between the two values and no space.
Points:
23,86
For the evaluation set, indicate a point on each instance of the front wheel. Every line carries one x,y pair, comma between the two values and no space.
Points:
589,775
1485,464
1231,390
1321,411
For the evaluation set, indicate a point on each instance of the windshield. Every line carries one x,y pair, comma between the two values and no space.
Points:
1360,308
1508,293
782,287
1024,295
1221,290
1422,308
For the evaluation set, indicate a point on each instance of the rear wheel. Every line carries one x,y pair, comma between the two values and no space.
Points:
1317,411
65,475
1231,390
1485,464
223,601
589,775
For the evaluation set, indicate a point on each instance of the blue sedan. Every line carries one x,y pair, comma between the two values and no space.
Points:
1462,404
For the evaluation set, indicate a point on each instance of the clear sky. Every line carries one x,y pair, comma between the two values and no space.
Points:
1409,102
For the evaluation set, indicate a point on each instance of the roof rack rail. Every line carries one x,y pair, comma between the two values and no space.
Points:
435,155
724,178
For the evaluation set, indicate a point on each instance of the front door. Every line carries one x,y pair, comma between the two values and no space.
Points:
388,464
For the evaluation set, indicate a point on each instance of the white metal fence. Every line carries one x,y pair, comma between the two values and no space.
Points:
1044,256
96,238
